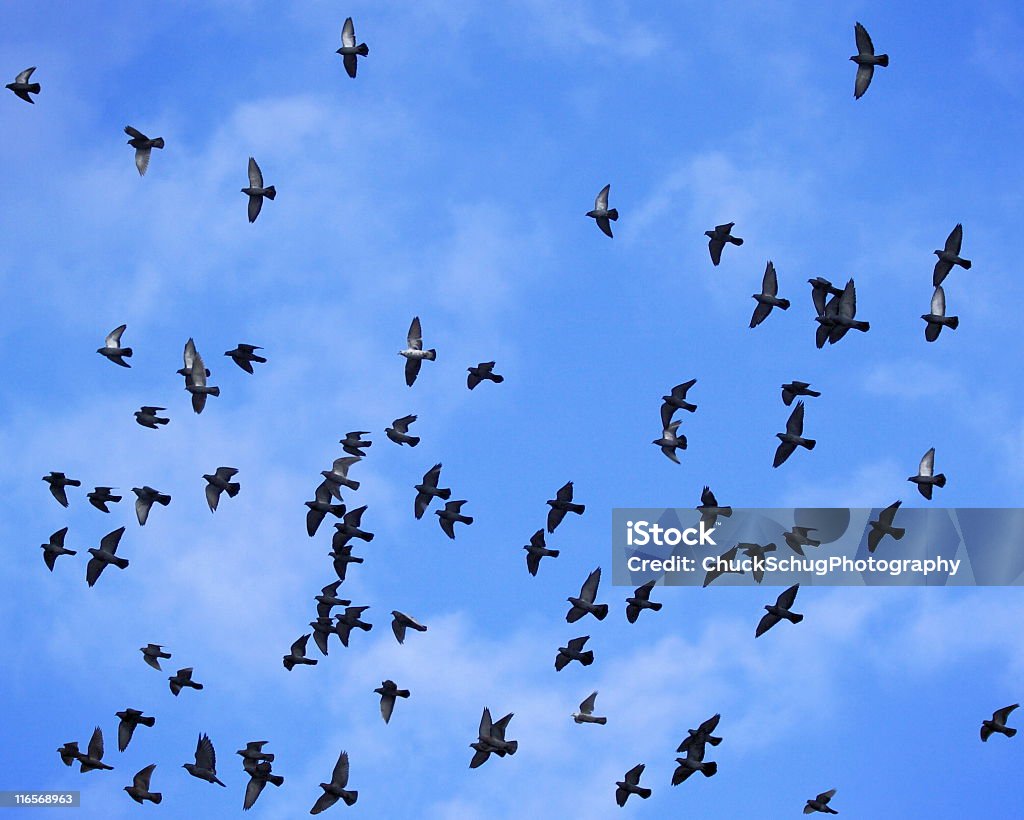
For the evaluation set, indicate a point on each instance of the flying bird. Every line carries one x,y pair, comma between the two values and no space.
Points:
147,416
350,53
926,478
336,790
757,552
793,437
152,653
936,318
342,557
349,528
348,620
112,349
882,526
401,622
101,496
323,628
536,550
676,400
57,483
717,239
104,555
69,753
256,193
244,355
54,548
218,483
297,655
482,372
602,214
389,691
586,712
182,679
398,430
205,767
415,354
145,498
491,739
949,256
768,298
22,87
779,610
793,389
428,490
452,514
670,440
630,784
866,60
253,753
821,292
562,504
709,509
259,775
723,566
354,442
821,803
328,599
641,600
189,357
337,476
320,507
694,761
842,320
143,146
702,734
998,723
139,789
799,537
93,759
130,718
573,651
584,604
196,384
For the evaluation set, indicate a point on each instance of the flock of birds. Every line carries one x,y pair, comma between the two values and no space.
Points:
836,310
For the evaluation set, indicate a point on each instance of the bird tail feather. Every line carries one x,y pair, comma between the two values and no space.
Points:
350,797
1010,732
655,607
965,264
552,553
795,617
601,612
213,391
587,658
898,532
33,89
362,49
289,663
643,794
158,142
276,779
147,721
940,480
233,489
444,495
127,351
613,214
513,746
709,769
809,443
156,797
883,60
431,355
413,441
784,304
601,721
953,322
269,193
120,563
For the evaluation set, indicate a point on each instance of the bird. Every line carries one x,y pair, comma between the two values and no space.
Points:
562,504
491,739
799,537
112,349
348,620
297,655
336,790
693,761
130,718
354,442
779,610
69,753
182,679
676,400
146,496
586,712
768,298
936,318
342,557
670,440
926,478
821,291
256,193
641,600
536,550
602,214
323,628
188,357
139,789
427,490
253,753
709,509
328,599
196,384
401,622
218,483
950,256
450,515
103,555
259,775
998,723
415,354
337,476
244,355
842,320
866,60
54,548
389,691
152,653
717,239
756,553
348,528
585,602
702,734
723,566
794,388
320,507
205,767
573,651
93,758
793,437
821,803
630,784
147,416
349,51
482,372
101,496
22,87
57,482
398,430
882,526
143,146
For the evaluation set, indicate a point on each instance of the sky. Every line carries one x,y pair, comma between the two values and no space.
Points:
450,180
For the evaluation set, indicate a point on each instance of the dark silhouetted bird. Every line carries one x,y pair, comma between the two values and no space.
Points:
104,555
602,214
130,718
256,193
821,290
337,477
297,655
259,775
244,355
702,734
182,679
139,789
757,552
388,691
428,489
189,357
723,566
793,389
793,437
112,349
883,526
349,528
843,319
401,622
641,600
54,548
93,758
253,753
536,550
562,504
717,239
998,723
676,400
354,442
574,651
670,440
482,372
69,753
798,538
205,767
342,557
145,498
218,483
926,478
101,496
57,483
152,653
22,87
323,628
491,739
348,620
586,712
710,510
320,507
328,599
398,430
197,386
452,514
350,53
949,256
415,354
768,298
693,762
147,416
585,602
821,803
143,146
936,318
866,61
779,610
630,784
335,790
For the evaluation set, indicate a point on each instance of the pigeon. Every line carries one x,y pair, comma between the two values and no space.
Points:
428,490
400,622
152,653
398,429
196,384
670,440
415,354
602,214
722,566
112,349
936,318
820,803
793,437
821,290
323,628
768,298
101,496
54,548
452,514
182,678
793,389
756,553
259,776
586,712
883,526
585,602
328,599
336,790
57,482
22,87
218,483
337,477
143,146
536,550
349,620
253,753
709,509
244,355
146,496
826,320
641,600
843,318
256,193
69,753
146,416
693,762
342,556
573,651
93,759
388,691
297,655
562,504
205,767
799,537
998,723
319,507
925,478
103,555
348,528
482,372
702,734
491,739
354,442
676,400
130,718
139,789
717,239
189,356
779,610
350,52
866,61
630,785
949,256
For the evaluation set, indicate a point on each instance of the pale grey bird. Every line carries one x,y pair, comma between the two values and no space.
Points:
259,775
561,504
398,430
253,753
143,146
936,318
320,507
723,566
630,784
337,476
482,372
93,758
256,192
427,490
641,600
349,528
54,548
768,298
244,355
389,691
710,510
821,803
676,400
328,599
188,357
573,651
757,552
112,349
998,723
799,537
104,555
702,734
57,482
297,655
949,256
350,52
451,515
335,790
602,214
844,317
342,557
415,354
139,789
22,87
536,550
717,239
793,437
350,619
794,388
220,482
205,766
147,416
926,478
130,718
584,603
152,653
586,712
323,628
101,496
883,526
183,679
401,622
491,739
196,384
670,440
146,496
866,60
354,442
778,611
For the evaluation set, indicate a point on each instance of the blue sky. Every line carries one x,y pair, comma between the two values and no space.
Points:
450,180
